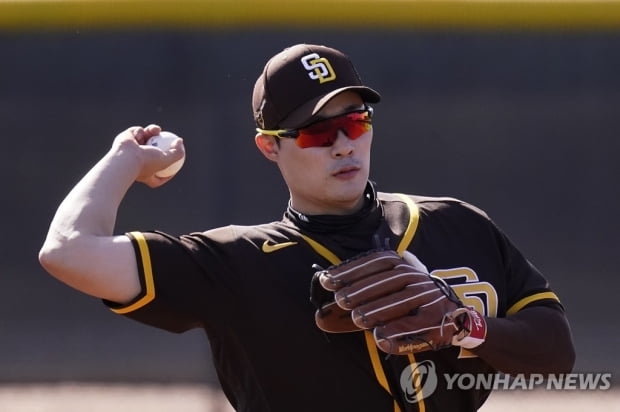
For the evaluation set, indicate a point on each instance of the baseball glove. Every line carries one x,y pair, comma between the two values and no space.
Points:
408,310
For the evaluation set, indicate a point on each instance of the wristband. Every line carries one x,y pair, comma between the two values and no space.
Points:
473,328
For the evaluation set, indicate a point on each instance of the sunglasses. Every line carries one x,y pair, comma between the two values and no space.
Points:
325,132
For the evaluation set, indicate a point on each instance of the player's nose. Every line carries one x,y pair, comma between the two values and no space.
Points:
343,146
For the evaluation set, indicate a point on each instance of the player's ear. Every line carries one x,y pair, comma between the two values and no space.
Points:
268,146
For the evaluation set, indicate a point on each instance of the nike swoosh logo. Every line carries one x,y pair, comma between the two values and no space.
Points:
268,247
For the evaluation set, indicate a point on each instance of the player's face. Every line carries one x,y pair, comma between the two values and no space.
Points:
328,180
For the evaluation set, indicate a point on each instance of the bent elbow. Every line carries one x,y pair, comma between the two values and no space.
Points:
51,258
66,260
59,255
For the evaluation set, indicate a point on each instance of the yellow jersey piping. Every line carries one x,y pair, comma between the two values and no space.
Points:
529,299
149,282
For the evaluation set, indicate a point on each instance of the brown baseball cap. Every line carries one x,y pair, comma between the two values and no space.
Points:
297,82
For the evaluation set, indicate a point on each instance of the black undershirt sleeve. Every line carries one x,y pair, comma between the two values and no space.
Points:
536,339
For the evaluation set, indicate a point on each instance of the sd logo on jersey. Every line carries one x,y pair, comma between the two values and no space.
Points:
318,68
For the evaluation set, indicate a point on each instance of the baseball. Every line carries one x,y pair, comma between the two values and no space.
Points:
163,141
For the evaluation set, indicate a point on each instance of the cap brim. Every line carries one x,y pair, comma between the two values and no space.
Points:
306,113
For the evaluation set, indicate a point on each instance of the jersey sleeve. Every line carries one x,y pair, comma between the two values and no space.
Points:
525,285
182,280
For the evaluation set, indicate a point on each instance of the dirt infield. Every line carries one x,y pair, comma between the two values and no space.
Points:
105,398
196,398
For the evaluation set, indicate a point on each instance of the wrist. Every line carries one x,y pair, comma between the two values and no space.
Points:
473,329
126,160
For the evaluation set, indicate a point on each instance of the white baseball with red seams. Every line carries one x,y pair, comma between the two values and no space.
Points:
164,141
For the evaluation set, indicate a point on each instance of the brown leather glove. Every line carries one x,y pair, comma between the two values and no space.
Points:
408,310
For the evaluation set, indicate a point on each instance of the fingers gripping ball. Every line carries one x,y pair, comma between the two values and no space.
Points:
164,141
408,310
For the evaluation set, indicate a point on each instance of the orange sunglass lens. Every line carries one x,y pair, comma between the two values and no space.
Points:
325,133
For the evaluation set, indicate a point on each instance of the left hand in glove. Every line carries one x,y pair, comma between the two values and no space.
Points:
408,310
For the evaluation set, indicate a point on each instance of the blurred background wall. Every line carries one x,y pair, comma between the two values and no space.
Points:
520,119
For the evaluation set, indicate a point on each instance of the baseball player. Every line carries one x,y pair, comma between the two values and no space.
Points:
356,300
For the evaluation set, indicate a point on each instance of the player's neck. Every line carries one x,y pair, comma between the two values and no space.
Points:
307,208
336,208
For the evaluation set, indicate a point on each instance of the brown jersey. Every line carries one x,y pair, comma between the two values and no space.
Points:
248,288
